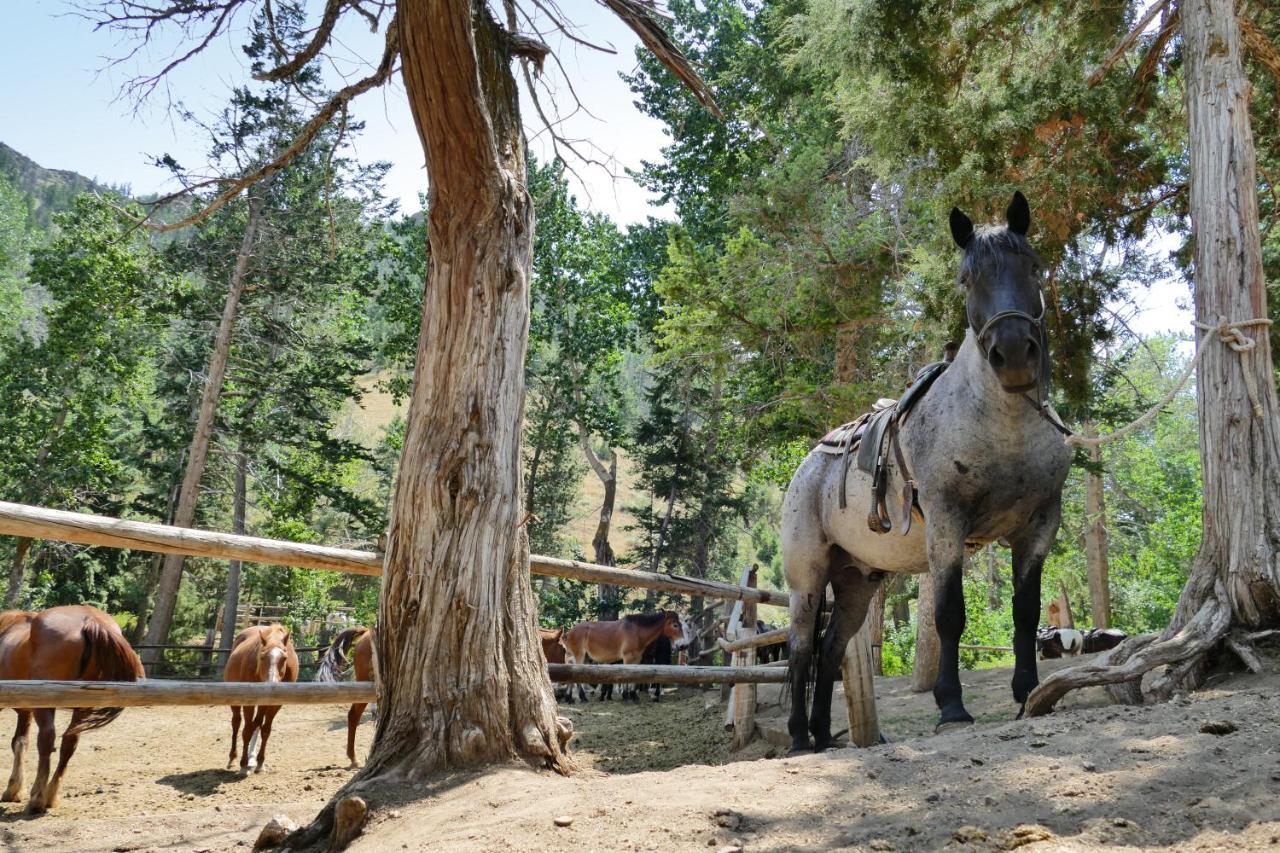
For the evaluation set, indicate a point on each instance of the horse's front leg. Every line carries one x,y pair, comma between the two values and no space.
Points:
1030,547
853,591
945,543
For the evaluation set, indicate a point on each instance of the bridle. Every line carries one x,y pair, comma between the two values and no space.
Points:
1041,401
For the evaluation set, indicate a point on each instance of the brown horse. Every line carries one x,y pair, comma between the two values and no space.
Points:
623,640
260,653
72,643
334,664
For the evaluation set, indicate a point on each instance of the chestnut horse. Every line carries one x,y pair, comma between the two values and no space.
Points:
260,653
334,664
623,640
71,643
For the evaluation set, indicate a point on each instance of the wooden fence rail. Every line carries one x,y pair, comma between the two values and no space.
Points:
130,694
85,529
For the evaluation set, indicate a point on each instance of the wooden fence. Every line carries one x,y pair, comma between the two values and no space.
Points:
42,523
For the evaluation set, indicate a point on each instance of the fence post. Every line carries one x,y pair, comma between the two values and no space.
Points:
857,670
744,695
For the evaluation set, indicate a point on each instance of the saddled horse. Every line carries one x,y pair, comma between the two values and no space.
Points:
260,653
71,643
622,640
336,662
987,462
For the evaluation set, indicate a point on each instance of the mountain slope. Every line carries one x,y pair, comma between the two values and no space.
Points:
49,190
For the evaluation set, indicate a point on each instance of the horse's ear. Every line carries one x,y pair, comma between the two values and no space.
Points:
961,228
1019,214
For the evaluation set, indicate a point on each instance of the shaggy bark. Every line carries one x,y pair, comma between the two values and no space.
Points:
1235,578
185,513
462,679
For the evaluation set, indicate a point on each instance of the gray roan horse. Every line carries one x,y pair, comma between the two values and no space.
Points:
989,462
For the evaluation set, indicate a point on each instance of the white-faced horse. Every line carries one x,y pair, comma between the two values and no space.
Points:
988,461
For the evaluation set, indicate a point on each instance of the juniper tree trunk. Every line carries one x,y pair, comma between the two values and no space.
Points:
1095,541
17,571
184,514
463,681
1239,556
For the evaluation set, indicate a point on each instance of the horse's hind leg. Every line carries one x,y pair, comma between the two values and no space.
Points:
53,791
804,615
235,732
1030,548
853,591
353,722
266,716
45,740
14,789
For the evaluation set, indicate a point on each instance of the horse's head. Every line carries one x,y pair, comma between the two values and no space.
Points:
1001,275
676,629
273,652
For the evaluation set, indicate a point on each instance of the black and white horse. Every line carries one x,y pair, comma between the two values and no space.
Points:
989,462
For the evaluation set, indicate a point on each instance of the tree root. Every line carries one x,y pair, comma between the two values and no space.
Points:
1127,663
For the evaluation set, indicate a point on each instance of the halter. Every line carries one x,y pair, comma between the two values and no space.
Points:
1041,401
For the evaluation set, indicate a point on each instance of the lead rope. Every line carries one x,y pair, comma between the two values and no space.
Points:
1229,334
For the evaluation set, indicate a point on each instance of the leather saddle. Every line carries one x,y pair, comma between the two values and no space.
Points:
870,439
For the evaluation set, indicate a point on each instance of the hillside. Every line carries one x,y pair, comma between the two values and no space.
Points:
49,190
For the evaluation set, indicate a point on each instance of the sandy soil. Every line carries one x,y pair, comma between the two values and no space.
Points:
660,777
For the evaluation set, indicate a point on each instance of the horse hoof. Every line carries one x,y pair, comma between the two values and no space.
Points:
259,768
10,796
36,807
355,765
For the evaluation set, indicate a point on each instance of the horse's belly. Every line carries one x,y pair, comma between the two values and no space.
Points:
885,552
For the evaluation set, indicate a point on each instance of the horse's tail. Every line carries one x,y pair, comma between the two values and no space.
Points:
336,660
107,656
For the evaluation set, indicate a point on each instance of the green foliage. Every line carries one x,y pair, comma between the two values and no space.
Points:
15,249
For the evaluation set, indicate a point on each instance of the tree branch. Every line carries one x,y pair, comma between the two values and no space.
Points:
1127,42
338,103
640,18
332,12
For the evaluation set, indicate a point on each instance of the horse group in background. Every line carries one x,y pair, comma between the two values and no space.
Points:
627,640
1054,642
70,643
337,660
262,653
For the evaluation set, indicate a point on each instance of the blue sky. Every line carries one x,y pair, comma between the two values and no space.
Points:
62,108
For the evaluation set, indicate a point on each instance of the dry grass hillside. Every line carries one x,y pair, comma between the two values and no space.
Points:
367,421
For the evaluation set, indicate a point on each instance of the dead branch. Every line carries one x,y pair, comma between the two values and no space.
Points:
338,103
642,21
1122,664
1146,68
1125,43
332,12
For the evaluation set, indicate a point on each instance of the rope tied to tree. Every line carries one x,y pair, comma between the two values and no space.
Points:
1231,335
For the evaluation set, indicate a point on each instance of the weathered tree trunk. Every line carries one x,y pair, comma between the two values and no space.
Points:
924,669
17,571
1235,578
1095,541
462,680
185,513
600,544
1239,447
232,602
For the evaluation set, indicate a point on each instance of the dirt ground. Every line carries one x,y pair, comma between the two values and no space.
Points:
660,777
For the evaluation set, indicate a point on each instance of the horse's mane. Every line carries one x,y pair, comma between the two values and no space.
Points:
646,620
988,248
